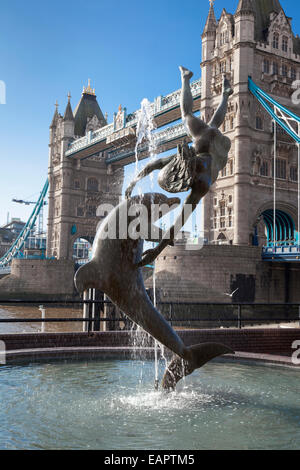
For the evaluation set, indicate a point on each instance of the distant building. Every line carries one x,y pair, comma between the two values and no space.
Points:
15,226
35,245
6,239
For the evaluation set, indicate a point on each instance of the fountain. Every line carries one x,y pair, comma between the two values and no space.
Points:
118,255
100,404
144,130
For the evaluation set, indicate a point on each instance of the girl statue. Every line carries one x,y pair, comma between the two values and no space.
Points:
193,168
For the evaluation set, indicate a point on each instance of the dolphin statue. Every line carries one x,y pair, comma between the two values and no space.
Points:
114,270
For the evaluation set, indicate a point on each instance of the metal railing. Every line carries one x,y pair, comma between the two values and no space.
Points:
178,314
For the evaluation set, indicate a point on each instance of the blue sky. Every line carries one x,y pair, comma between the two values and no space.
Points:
130,50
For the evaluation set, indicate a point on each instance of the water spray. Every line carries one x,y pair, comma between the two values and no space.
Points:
145,126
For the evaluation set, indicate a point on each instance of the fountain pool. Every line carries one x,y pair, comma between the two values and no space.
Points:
112,405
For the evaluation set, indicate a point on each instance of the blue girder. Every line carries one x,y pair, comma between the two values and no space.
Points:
265,99
17,246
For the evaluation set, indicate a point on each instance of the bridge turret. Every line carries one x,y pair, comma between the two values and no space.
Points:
209,33
208,48
53,129
244,20
68,123
86,110
55,117
68,116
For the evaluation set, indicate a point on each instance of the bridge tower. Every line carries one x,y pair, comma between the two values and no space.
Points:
77,187
256,40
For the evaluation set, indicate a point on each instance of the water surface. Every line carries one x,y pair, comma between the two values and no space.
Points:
111,404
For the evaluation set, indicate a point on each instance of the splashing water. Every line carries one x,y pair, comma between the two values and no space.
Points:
145,138
98,404
144,131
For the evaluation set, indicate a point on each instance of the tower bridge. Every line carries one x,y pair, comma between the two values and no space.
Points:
110,138
255,202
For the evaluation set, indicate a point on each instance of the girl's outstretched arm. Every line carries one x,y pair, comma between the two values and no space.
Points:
189,206
152,166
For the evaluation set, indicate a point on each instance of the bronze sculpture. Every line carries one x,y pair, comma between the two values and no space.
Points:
194,168
114,270
116,263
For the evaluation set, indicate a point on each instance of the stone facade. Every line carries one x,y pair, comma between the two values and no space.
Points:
209,274
258,41
41,278
77,187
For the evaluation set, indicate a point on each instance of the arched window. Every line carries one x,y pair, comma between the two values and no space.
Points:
266,66
284,71
259,123
264,169
222,209
92,184
285,42
294,173
281,166
276,41
223,38
81,250
222,238
229,217
275,68
91,211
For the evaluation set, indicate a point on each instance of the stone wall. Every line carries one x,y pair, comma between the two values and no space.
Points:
44,278
263,341
207,275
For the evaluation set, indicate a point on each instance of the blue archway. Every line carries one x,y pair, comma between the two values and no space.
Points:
285,234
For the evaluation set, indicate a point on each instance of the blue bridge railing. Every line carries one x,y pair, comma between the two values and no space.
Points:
281,253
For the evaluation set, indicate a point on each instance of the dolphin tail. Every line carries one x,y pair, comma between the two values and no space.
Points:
199,354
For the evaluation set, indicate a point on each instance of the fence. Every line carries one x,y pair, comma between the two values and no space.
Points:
102,315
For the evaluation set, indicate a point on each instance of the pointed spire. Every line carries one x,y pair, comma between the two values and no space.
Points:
68,116
87,108
245,6
211,22
55,116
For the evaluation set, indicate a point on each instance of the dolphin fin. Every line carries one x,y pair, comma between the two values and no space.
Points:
87,277
199,354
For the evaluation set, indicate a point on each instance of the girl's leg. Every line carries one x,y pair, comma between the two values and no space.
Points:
186,101
195,125
219,116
